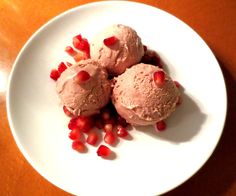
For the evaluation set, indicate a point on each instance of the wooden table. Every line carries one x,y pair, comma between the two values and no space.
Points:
214,20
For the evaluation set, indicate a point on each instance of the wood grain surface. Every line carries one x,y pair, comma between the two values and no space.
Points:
213,20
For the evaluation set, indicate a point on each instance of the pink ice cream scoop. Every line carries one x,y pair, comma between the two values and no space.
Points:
140,99
84,88
126,51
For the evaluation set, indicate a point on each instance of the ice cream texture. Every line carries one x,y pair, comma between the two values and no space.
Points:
84,98
139,100
127,51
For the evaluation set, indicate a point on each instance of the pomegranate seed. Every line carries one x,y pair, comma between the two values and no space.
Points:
82,76
54,74
103,151
159,78
177,84
72,124
61,67
80,56
110,41
108,127
92,138
69,50
121,131
109,138
81,44
81,123
78,146
121,121
68,64
110,121
75,134
98,123
106,115
84,123
67,112
161,125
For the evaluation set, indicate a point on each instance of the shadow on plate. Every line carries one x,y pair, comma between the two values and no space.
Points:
182,125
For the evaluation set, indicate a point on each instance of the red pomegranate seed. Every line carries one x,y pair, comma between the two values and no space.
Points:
80,56
110,41
72,124
81,44
108,127
67,112
98,123
121,131
105,115
68,64
61,67
82,76
161,125
109,138
159,78
69,50
84,123
92,138
177,84
103,151
75,134
54,74
78,146
110,121
121,121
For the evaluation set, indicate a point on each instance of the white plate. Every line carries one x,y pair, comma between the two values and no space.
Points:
150,163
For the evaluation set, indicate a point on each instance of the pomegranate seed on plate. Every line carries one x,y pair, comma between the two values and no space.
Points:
92,138
161,125
103,151
62,67
54,74
69,50
110,41
121,121
82,76
80,56
67,112
78,146
106,115
121,131
110,138
84,123
81,43
108,127
159,78
74,134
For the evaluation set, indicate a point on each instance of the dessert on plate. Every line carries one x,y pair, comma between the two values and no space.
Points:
84,88
144,95
115,81
117,47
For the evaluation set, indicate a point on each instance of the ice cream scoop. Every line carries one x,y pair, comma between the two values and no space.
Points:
143,96
84,88
124,49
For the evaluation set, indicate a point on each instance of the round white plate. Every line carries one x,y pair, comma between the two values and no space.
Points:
149,164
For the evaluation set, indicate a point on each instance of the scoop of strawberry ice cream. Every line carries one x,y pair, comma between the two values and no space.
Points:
138,97
126,51
84,97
